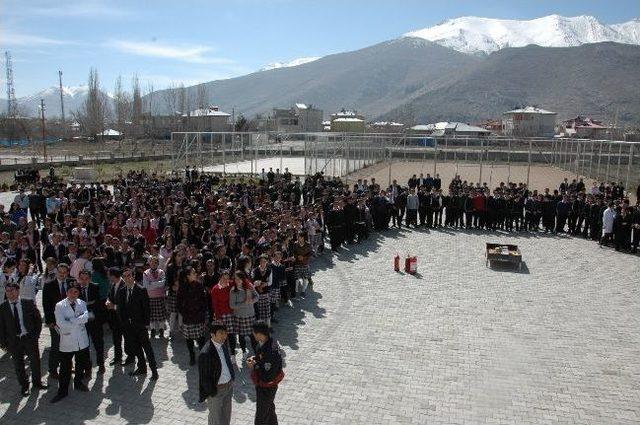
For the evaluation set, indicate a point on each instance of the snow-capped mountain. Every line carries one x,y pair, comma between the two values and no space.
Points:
288,64
74,97
476,35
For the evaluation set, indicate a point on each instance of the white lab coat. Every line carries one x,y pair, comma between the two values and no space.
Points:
71,325
607,220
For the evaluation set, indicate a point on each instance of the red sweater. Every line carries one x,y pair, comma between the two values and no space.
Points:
220,301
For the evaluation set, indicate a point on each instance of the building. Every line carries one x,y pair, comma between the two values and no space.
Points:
300,118
586,128
454,129
347,122
495,126
209,119
386,127
530,121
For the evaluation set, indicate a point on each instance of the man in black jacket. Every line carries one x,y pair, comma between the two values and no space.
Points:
89,293
132,304
20,327
266,372
54,291
115,278
216,376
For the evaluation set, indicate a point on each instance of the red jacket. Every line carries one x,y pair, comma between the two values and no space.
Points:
479,203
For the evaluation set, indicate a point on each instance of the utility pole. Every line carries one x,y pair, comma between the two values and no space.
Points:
61,98
44,143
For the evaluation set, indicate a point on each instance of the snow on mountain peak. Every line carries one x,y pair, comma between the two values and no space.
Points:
294,62
476,35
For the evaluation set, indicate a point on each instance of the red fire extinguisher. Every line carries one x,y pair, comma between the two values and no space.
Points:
396,263
413,265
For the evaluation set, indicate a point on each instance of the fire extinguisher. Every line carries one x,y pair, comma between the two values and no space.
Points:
413,265
396,263
407,264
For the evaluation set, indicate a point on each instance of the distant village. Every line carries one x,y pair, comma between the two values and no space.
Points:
529,121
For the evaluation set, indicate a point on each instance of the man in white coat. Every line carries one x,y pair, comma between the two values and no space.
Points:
607,224
71,317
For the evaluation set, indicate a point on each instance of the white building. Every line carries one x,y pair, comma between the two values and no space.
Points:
530,121
447,128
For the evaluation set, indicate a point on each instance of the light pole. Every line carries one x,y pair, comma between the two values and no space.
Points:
44,143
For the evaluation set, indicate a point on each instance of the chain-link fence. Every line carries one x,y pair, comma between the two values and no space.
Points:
342,155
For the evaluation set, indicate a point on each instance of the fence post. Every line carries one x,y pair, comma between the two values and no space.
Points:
619,158
224,156
577,159
481,159
435,157
629,166
529,163
509,161
606,178
599,160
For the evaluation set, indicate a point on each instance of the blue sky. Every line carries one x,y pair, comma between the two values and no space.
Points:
196,40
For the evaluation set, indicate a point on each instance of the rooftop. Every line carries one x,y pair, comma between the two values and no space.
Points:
530,110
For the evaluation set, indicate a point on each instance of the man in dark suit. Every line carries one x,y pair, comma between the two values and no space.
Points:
216,376
90,294
115,277
133,309
55,248
53,292
20,327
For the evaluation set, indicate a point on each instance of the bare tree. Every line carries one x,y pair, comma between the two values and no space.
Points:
93,113
122,103
136,105
183,101
202,97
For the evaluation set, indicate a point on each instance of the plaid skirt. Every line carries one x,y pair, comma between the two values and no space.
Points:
301,271
157,309
227,321
194,330
274,295
172,303
243,325
264,307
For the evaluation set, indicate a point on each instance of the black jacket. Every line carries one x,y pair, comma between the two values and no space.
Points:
51,251
51,295
30,316
210,368
94,304
268,361
135,311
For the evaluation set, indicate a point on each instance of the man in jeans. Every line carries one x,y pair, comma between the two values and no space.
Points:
216,376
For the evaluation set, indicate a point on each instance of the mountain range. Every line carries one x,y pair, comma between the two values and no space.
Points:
465,69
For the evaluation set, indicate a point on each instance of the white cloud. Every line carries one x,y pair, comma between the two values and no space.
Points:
73,9
17,39
185,53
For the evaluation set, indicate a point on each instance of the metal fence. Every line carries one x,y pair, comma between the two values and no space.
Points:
340,154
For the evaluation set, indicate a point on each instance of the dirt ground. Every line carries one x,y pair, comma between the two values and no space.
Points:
540,177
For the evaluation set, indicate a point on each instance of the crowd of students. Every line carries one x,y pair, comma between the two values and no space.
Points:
155,256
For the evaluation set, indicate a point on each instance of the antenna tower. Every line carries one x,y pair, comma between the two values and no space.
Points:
12,108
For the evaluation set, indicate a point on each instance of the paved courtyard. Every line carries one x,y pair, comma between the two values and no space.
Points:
558,342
